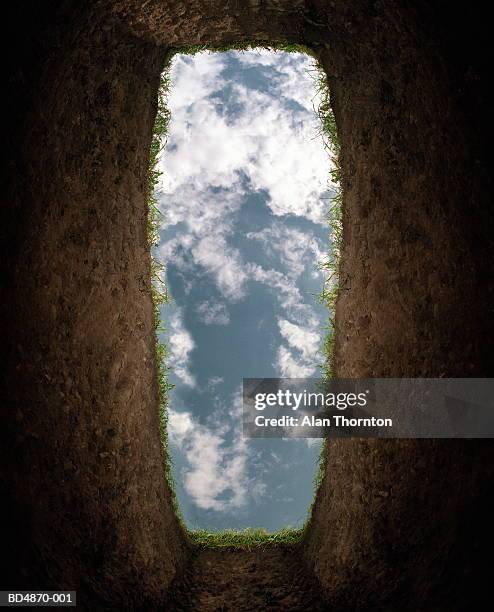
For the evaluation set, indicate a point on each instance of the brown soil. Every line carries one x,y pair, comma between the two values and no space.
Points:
266,579
397,524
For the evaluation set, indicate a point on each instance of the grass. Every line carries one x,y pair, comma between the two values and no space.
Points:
266,45
248,538
159,291
331,265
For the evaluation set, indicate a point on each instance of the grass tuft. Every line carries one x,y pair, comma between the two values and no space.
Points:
330,266
247,539
247,46
159,291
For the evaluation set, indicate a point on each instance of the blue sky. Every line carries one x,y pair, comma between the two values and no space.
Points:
244,193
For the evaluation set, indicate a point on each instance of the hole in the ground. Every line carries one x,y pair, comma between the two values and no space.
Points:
400,524
244,189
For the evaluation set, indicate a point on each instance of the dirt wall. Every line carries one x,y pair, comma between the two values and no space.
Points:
404,524
84,497
83,471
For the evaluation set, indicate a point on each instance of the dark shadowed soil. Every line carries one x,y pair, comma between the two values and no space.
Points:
398,525
262,579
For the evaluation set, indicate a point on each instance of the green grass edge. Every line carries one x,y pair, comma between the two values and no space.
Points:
248,538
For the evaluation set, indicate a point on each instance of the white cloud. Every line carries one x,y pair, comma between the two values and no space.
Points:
287,293
212,161
216,476
300,338
180,344
224,262
215,381
288,161
289,367
268,141
180,424
295,75
194,78
203,241
213,313
300,358
298,251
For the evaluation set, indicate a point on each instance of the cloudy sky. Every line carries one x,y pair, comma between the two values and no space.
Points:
244,192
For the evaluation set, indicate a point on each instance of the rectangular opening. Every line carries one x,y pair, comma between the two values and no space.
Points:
245,215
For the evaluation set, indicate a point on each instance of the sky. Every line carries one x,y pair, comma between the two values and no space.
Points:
244,193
